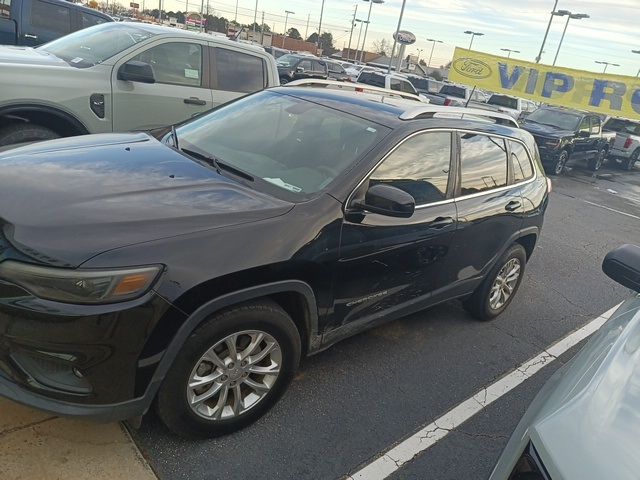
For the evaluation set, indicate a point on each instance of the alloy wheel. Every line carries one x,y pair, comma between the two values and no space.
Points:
234,375
560,164
504,284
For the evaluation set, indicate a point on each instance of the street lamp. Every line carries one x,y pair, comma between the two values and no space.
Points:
420,50
286,18
546,34
569,15
319,27
432,48
366,29
473,35
395,37
510,51
606,64
636,51
360,34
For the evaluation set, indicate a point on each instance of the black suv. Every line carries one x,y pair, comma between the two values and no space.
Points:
298,67
197,268
565,136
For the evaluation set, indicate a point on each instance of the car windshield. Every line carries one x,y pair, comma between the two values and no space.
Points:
504,101
453,91
555,118
287,60
93,45
295,145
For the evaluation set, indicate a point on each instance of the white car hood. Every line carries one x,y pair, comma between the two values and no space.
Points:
28,56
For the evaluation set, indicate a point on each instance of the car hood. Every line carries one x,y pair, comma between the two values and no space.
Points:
10,55
65,201
545,130
588,425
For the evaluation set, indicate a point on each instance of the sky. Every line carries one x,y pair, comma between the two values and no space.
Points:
609,34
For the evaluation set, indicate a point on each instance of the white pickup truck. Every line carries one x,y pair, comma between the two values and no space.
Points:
625,147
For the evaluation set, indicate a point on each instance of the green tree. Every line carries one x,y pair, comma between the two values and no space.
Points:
313,38
294,33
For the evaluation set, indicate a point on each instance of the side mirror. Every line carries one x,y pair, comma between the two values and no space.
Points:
387,200
583,134
623,266
135,71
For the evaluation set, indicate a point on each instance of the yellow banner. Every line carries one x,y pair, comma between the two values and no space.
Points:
614,95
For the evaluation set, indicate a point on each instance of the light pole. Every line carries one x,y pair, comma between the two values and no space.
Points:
420,50
366,29
286,18
546,34
255,21
636,51
569,15
395,37
510,51
360,34
320,27
432,48
606,65
353,25
473,35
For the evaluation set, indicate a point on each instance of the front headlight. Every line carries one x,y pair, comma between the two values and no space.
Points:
80,286
552,143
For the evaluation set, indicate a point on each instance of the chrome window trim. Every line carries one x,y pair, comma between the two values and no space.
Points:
454,199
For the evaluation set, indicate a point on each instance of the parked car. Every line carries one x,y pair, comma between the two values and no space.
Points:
355,70
34,22
424,85
390,81
337,71
514,106
140,269
625,148
584,422
277,52
298,67
565,136
456,96
121,77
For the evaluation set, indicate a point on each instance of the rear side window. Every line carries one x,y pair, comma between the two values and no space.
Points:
484,163
419,166
241,72
50,17
5,8
88,20
520,162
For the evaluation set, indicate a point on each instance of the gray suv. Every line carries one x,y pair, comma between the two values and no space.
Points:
118,77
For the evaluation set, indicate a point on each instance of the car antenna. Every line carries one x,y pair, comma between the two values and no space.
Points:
470,95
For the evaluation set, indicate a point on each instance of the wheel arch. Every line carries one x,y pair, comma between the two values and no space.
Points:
61,122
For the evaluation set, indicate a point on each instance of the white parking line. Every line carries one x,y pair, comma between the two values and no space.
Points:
394,458
612,209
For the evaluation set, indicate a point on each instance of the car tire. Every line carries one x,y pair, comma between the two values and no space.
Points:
179,404
596,163
557,167
284,80
481,304
630,162
21,133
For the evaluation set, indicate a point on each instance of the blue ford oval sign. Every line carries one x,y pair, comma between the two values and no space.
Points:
404,37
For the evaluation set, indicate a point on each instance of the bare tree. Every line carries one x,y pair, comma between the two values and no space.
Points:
382,47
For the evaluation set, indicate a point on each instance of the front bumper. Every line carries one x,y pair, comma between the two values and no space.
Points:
80,360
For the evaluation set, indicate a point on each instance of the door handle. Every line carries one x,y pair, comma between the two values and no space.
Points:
441,222
194,101
28,35
512,206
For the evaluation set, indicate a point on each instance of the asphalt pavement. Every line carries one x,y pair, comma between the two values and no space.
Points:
352,402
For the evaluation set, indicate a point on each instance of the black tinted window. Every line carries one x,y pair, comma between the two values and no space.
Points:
395,84
420,167
319,66
335,68
5,8
305,65
371,78
88,20
54,18
484,163
520,162
239,72
453,91
408,88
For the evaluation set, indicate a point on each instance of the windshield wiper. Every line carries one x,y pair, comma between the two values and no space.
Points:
175,137
217,164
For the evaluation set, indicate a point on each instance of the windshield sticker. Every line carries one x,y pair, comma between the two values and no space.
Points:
190,73
371,130
281,183
77,60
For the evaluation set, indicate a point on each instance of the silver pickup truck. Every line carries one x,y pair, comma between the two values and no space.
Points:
625,147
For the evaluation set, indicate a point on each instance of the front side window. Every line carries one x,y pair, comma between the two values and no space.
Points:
318,66
484,163
584,125
520,162
419,166
291,147
175,63
595,125
238,72
305,65
408,88
396,84
51,17
5,8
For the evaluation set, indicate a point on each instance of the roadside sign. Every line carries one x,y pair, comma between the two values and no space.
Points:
135,6
615,95
404,37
